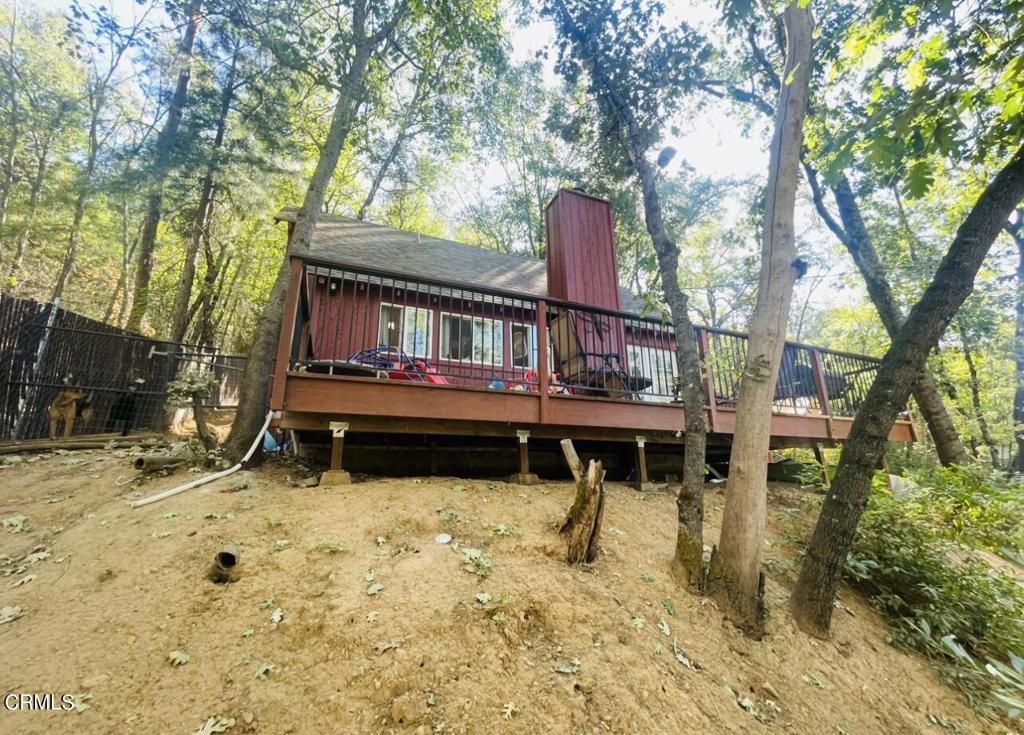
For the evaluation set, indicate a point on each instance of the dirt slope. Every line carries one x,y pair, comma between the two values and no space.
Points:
124,587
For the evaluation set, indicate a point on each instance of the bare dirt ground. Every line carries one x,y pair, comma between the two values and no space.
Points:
535,646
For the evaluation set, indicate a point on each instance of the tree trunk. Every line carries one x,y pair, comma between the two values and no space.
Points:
1016,230
96,102
199,415
165,142
975,387
74,236
854,236
582,526
815,590
7,180
201,222
36,187
688,556
687,560
253,392
378,177
736,566
209,296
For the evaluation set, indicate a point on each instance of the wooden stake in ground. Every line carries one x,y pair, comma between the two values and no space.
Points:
582,525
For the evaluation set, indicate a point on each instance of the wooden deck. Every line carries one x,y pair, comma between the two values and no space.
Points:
311,402
805,415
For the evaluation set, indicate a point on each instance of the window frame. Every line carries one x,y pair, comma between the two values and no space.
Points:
532,353
404,310
634,350
472,330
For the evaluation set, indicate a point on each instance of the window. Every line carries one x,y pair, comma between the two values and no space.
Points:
659,366
472,339
524,345
405,328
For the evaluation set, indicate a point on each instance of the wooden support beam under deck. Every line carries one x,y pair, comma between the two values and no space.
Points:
641,463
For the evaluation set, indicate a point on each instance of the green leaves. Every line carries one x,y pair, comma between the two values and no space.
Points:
919,178
477,562
941,597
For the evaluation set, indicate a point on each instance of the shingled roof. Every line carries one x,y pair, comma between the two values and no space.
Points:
358,244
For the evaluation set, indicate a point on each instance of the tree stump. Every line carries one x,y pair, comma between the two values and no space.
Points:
582,526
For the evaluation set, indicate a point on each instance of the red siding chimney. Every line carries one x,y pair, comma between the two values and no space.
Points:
582,263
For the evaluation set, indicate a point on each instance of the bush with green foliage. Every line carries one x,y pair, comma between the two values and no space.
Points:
975,505
917,559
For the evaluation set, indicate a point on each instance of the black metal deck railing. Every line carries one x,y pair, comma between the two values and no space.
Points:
357,322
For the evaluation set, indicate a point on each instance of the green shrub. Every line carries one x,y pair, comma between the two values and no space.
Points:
913,559
973,505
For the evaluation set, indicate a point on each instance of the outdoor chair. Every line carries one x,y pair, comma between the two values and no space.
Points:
598,373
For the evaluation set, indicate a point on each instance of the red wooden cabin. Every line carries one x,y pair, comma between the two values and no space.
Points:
387,331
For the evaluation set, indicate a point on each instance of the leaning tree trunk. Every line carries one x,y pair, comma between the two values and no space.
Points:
253,392
84,193
815,590
735,573
858,242
165,143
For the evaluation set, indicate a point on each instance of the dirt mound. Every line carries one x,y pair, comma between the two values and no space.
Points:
349,617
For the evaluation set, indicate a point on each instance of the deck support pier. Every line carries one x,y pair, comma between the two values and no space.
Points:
524,476
819,456
336,475
642,481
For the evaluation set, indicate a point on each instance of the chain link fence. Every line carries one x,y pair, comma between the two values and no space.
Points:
116,380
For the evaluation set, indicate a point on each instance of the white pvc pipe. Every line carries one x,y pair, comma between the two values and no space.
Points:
208,478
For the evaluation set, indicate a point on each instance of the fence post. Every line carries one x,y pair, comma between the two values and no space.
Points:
542,358
165,413
284,345
703,350
818,369
37,368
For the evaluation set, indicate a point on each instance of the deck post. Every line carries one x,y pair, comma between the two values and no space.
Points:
818,369
543,378
284,344
524,476
703,350
336,475
642,480
819,456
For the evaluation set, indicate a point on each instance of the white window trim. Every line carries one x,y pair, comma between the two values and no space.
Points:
636,350
533,353
440,338
402,307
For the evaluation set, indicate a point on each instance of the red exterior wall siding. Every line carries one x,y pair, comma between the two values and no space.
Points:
348,321
582,260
